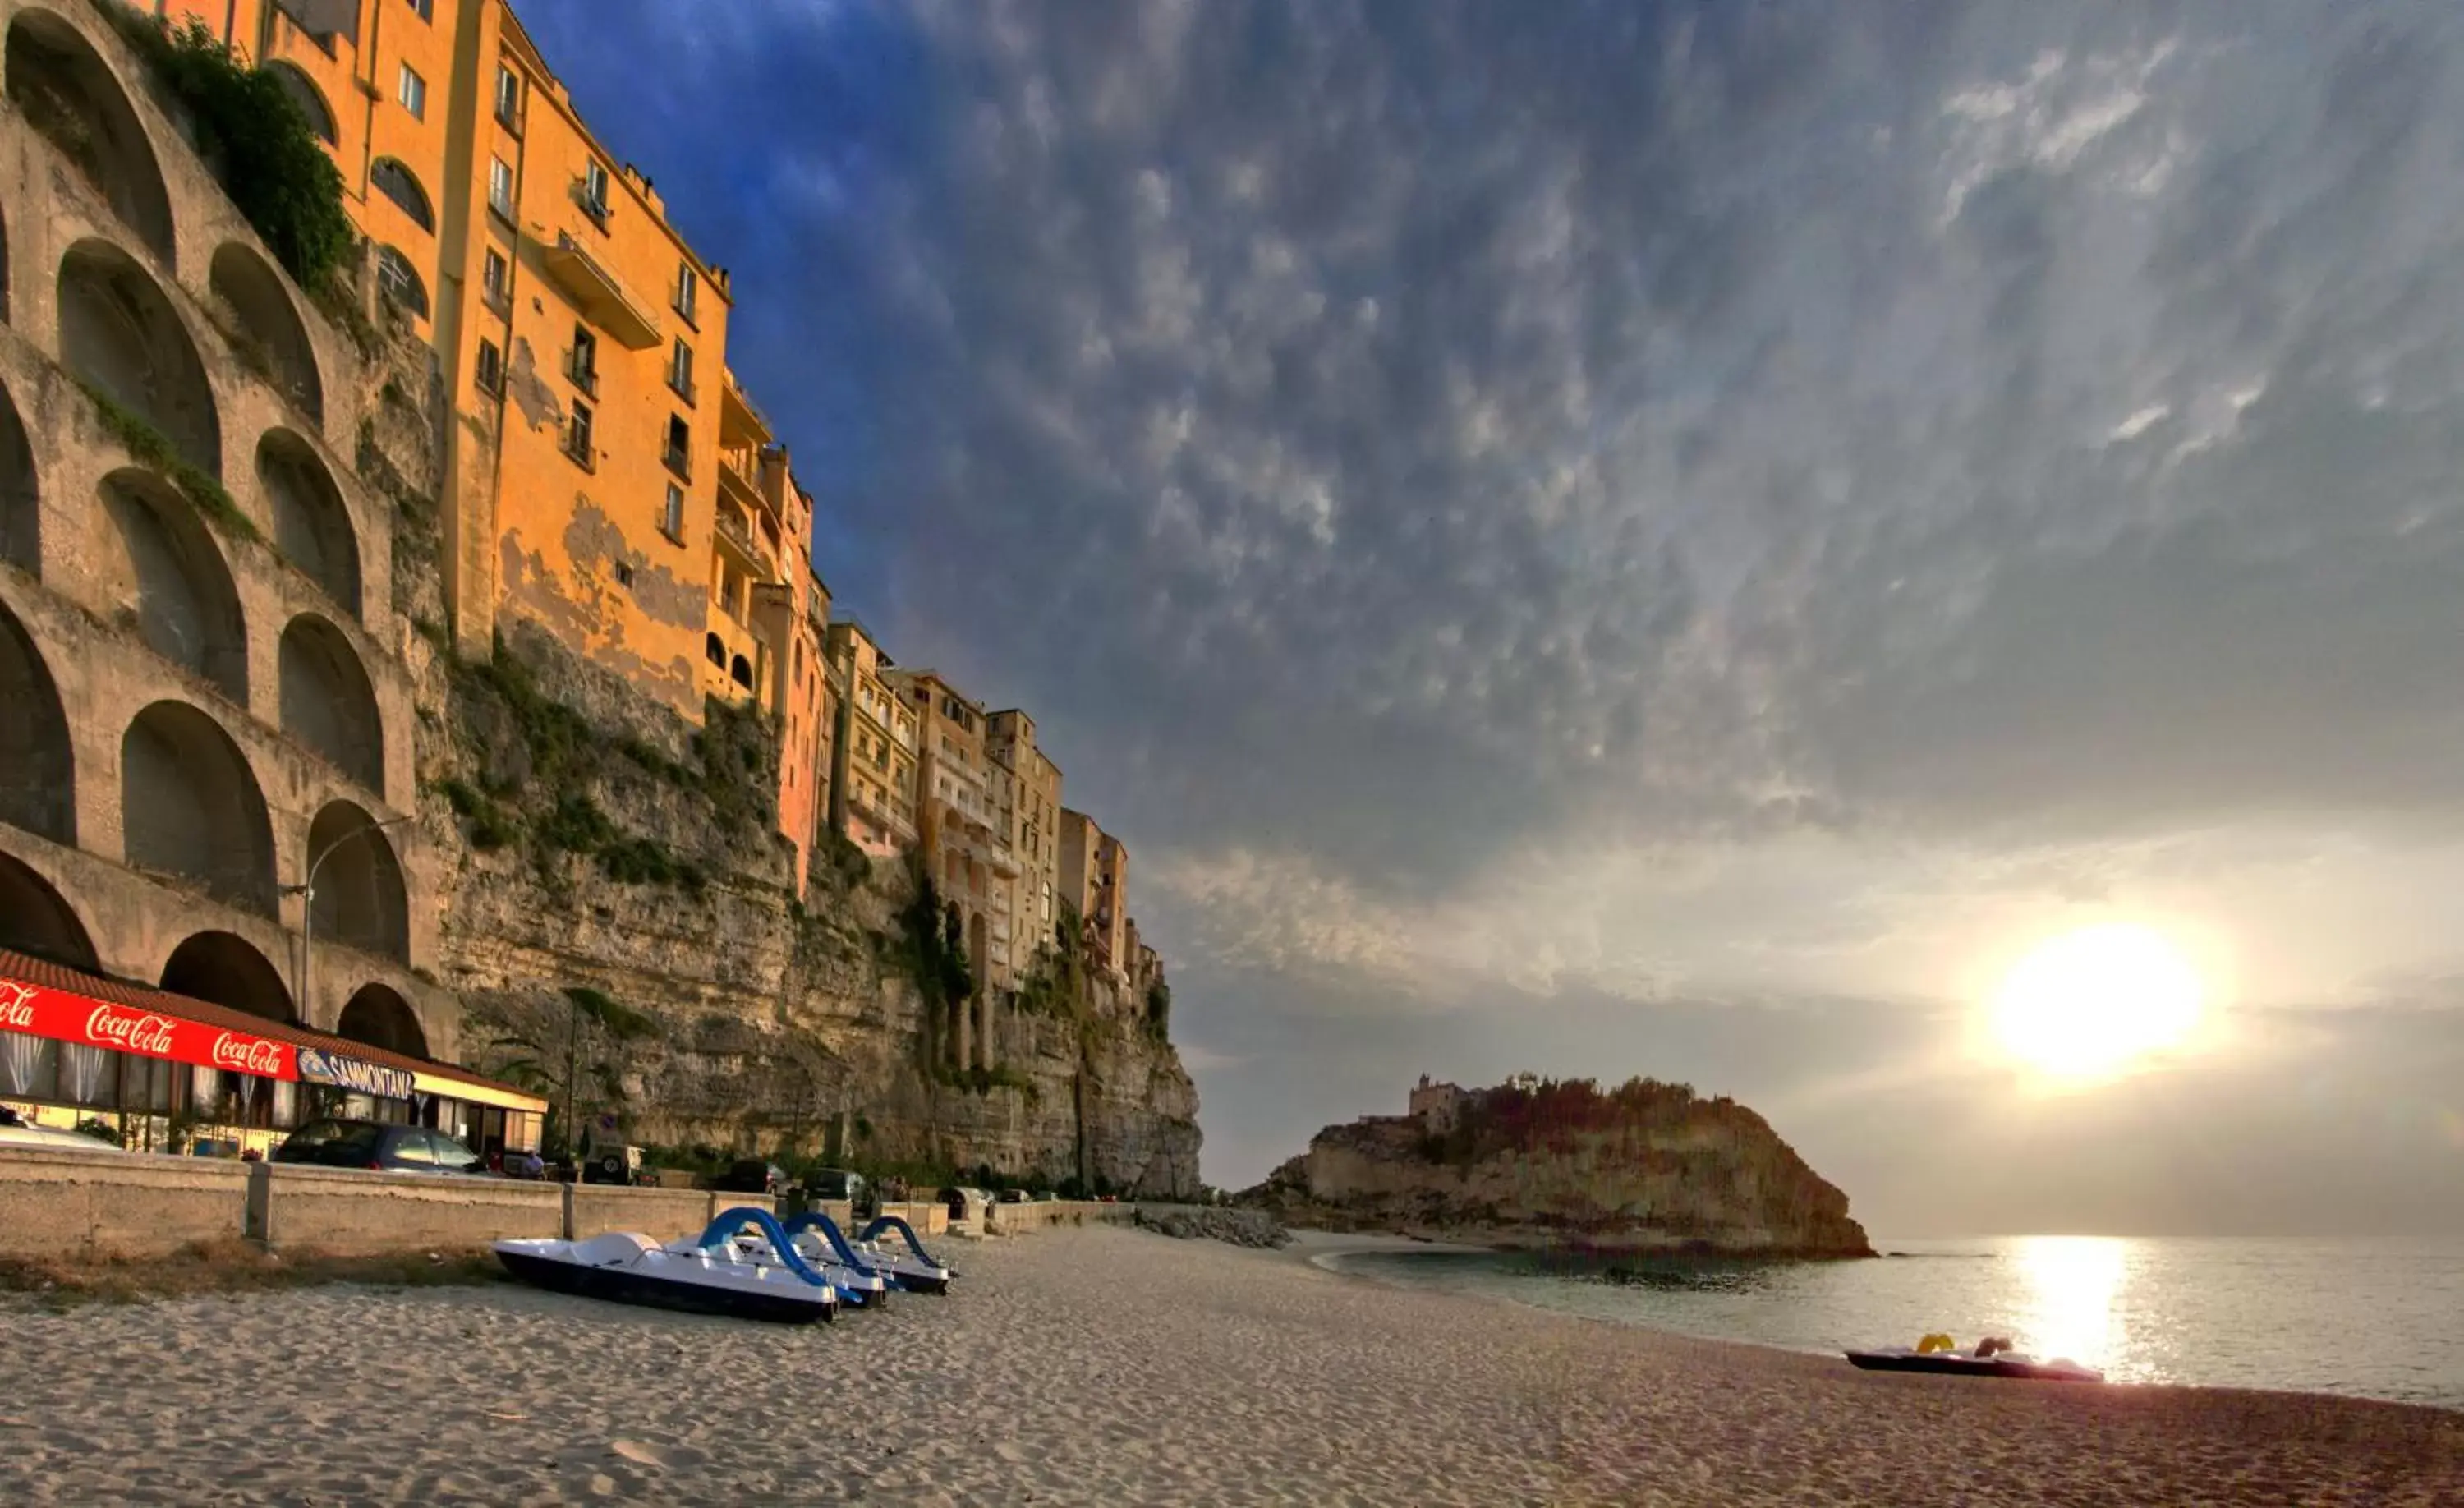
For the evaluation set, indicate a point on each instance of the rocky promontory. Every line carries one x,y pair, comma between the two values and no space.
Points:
1645,1168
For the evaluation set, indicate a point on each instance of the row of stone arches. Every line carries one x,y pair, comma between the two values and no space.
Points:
70,97
220,967
190,804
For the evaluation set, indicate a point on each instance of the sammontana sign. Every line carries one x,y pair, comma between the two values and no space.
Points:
316,1067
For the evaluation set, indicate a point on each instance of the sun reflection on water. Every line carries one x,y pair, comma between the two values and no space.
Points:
2072,1284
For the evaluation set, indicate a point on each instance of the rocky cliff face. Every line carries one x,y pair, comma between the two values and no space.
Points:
611,896
1645,1168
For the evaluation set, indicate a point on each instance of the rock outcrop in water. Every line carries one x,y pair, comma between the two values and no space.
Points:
1647,1167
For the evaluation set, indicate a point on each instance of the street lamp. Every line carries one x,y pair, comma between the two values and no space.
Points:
307,893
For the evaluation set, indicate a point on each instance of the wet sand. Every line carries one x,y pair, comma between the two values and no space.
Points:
1102,1366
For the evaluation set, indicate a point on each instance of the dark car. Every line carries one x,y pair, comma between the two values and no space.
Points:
830,1185
375,1144
751,1175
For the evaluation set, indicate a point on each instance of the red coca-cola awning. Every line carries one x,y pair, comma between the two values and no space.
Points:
45,999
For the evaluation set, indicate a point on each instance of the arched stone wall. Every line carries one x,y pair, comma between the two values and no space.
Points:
121,335
312,527
227,969
190,806
382,1018
360,899
174,579
327,703
34,919
71,97
21,503
269,326
38,780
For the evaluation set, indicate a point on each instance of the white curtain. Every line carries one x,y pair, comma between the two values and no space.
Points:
21,1059
81,1071
205,1092
286,1100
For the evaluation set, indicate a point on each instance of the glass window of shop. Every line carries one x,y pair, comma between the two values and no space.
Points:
48,1072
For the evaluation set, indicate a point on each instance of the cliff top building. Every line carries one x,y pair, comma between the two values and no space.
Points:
873,758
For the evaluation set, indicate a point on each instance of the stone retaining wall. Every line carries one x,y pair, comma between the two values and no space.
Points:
81,1205
1017,1219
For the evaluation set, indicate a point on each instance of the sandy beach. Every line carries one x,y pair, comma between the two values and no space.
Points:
1101,1367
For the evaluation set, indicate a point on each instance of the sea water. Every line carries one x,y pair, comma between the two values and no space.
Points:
2380,1317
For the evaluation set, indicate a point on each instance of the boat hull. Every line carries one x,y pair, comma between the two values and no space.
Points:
618,1285
1950,1363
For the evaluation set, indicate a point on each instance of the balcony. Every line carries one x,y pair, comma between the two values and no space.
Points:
740,476
736,537
739,422
599,293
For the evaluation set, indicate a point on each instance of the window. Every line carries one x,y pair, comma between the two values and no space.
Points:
716,649
679,456
305,94
400,282
576,437
583,366
680,370
671,516
412,92
500,187
395,181
426,9
496,279
624,573
489,370
509,98
688,288
594,192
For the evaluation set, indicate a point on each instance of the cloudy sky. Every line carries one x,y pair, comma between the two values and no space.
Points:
1681,539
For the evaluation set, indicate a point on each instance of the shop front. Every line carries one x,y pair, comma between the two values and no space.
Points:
160,1072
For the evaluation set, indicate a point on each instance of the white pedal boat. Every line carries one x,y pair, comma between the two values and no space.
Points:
711,1272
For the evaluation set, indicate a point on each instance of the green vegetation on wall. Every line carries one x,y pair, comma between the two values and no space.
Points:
255,137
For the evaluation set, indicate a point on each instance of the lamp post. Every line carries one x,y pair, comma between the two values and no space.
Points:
307,893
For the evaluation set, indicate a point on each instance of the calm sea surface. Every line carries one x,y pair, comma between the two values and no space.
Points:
2375,1319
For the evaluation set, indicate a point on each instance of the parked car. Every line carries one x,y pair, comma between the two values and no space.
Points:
827,1184
1010,1197
376,1144
751,1175
14,1131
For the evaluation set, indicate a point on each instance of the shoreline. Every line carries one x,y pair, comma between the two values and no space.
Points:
1330,1262
1107,1366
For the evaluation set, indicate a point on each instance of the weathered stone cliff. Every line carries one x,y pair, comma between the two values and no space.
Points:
615,908
1645,1168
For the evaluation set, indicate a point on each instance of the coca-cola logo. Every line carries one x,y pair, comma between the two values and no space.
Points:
143,1032
17,1006
247,1055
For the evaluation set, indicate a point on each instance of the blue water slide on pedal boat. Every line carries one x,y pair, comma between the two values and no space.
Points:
911,1270
713,1273
927,1263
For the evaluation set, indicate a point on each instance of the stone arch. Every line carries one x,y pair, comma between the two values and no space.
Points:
269,323
310,100
312,527
390,177
382,1018
230,971
21,511
190,806
34,919
360,899
70,97
398,280
327,703
187,608
121,335
38,783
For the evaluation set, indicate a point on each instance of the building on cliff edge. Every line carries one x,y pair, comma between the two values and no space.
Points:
216,916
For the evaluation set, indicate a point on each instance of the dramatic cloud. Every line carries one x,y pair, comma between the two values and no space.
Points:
1531,517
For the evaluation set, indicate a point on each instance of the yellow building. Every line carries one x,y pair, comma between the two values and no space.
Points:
1030,813
1095,879
970,861
582,337
873,771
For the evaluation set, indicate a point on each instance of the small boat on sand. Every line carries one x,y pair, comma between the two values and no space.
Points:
1987,1361
705,1273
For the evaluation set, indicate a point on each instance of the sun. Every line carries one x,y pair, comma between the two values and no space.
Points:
2087,1004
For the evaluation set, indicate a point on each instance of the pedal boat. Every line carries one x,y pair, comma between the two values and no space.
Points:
2009,1364
705,1273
